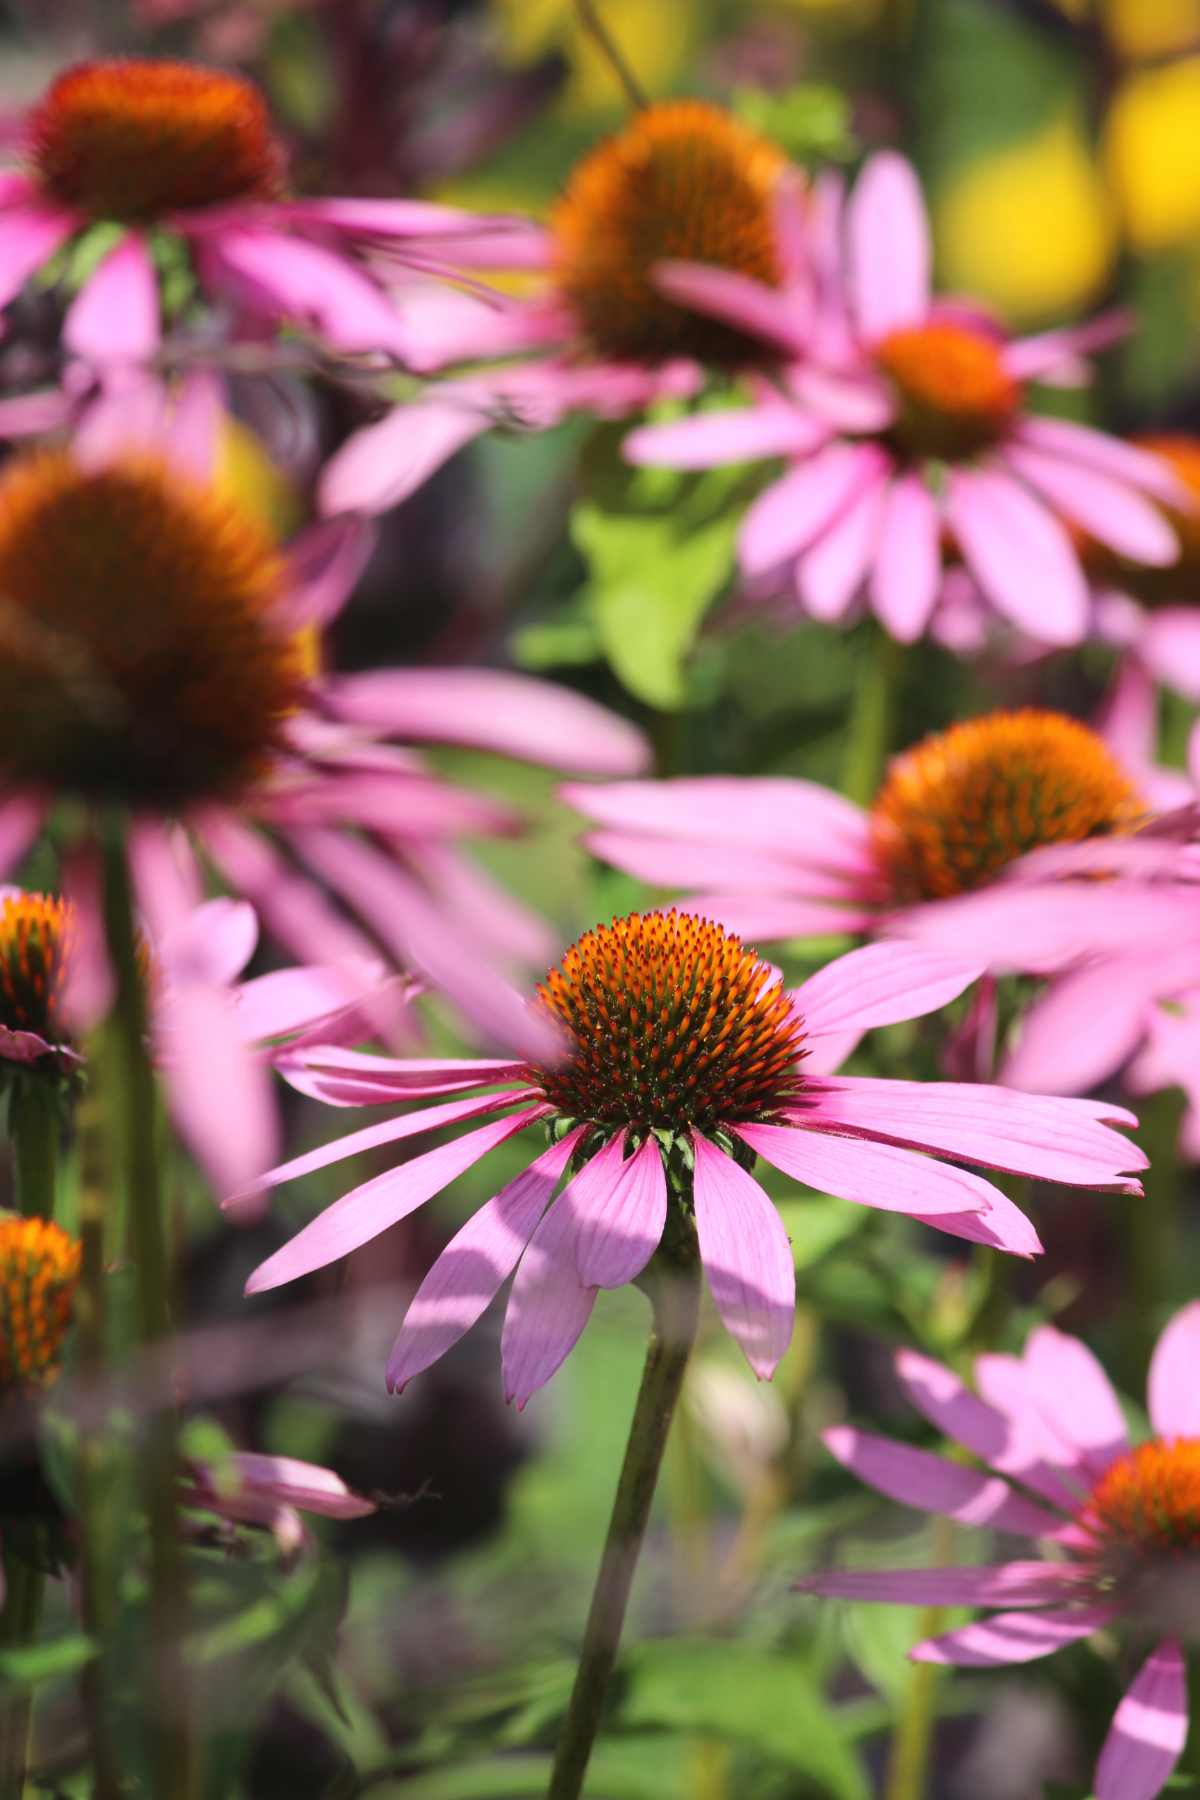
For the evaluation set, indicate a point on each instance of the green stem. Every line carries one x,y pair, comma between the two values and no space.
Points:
870,727
1152,1228
136,1096
676,1308
908,1758
35,1127
589,18
18,1628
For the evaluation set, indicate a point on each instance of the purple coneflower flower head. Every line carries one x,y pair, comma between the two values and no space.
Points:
908,426
942,849
1121,1523
179,155
682,1059
683,181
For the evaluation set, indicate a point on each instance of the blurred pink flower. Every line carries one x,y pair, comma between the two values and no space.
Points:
684,179
158,151
947,852
1120,1523
683,1060
252,1489
908,426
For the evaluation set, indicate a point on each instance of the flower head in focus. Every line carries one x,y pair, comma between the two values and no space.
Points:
683,183
682,1059
908,428
39,1272
36,933
181,167
1121,1523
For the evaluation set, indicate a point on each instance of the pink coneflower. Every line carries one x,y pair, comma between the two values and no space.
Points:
682,181
1122,1523
682,1060
957,816
918,432
183,160
157,657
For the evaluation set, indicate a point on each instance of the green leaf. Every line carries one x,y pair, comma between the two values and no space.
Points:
811,120
734,1690
34,1663
648,1769
817,1225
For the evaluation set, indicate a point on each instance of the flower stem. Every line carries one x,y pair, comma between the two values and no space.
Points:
1152,1224
590,19
868,738
136,1096
676,1297
908,1758
35,1127
18,1628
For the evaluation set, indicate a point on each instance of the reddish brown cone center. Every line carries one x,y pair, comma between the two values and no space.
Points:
953,392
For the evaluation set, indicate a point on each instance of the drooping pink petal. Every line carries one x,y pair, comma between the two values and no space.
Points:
115,318
831,572
1017,1637
870,1174
876,986
1019,554
1113,456
493,709
1003,1227
213,943
1010,1584
474,1265
1052,355
219,1094
1112,511
366,1211
781,317
993,1435
382,464
794,510
1169,647
511,930
1082,1029
708,439
1012,928
287,1001
35,414
1007,1383
29,237
746,1255
515,242
1173,1390
758,917
343,1077
931,1484
888,249
667,862
323,567
292,279
1149,1730
620,1208
1076,1396
302,1484
908,560
774,813
1022,1134
547,1309
21,817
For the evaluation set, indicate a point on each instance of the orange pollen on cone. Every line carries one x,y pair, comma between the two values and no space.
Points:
1149,1500
141,655
1176,583
683,182
135,140
963,804
36,932
670,1022
954,394
39,1271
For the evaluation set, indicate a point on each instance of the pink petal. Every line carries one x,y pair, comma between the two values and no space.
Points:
666,862
21,818
381,465
1036,930
300,1484
407,219
474,1265
879,1175
1081,1030
705,440
1112,511
834,568
930,1483
1003,1227
114,318
1019,554
366,1211
547,1309
341,1077
757,918
888,249
288,1001
1111,455
908,561
794,510
1149,1730
746,1255
620,1209
219,1094
213,943
1018,1637
29,237
323,567
1022,1134
1173,1390
780,316
289,278
1170,649
32,415
877,986
773,813
992,1434
492,709
1011,1584
1007,1383
1076,1396
1052,354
